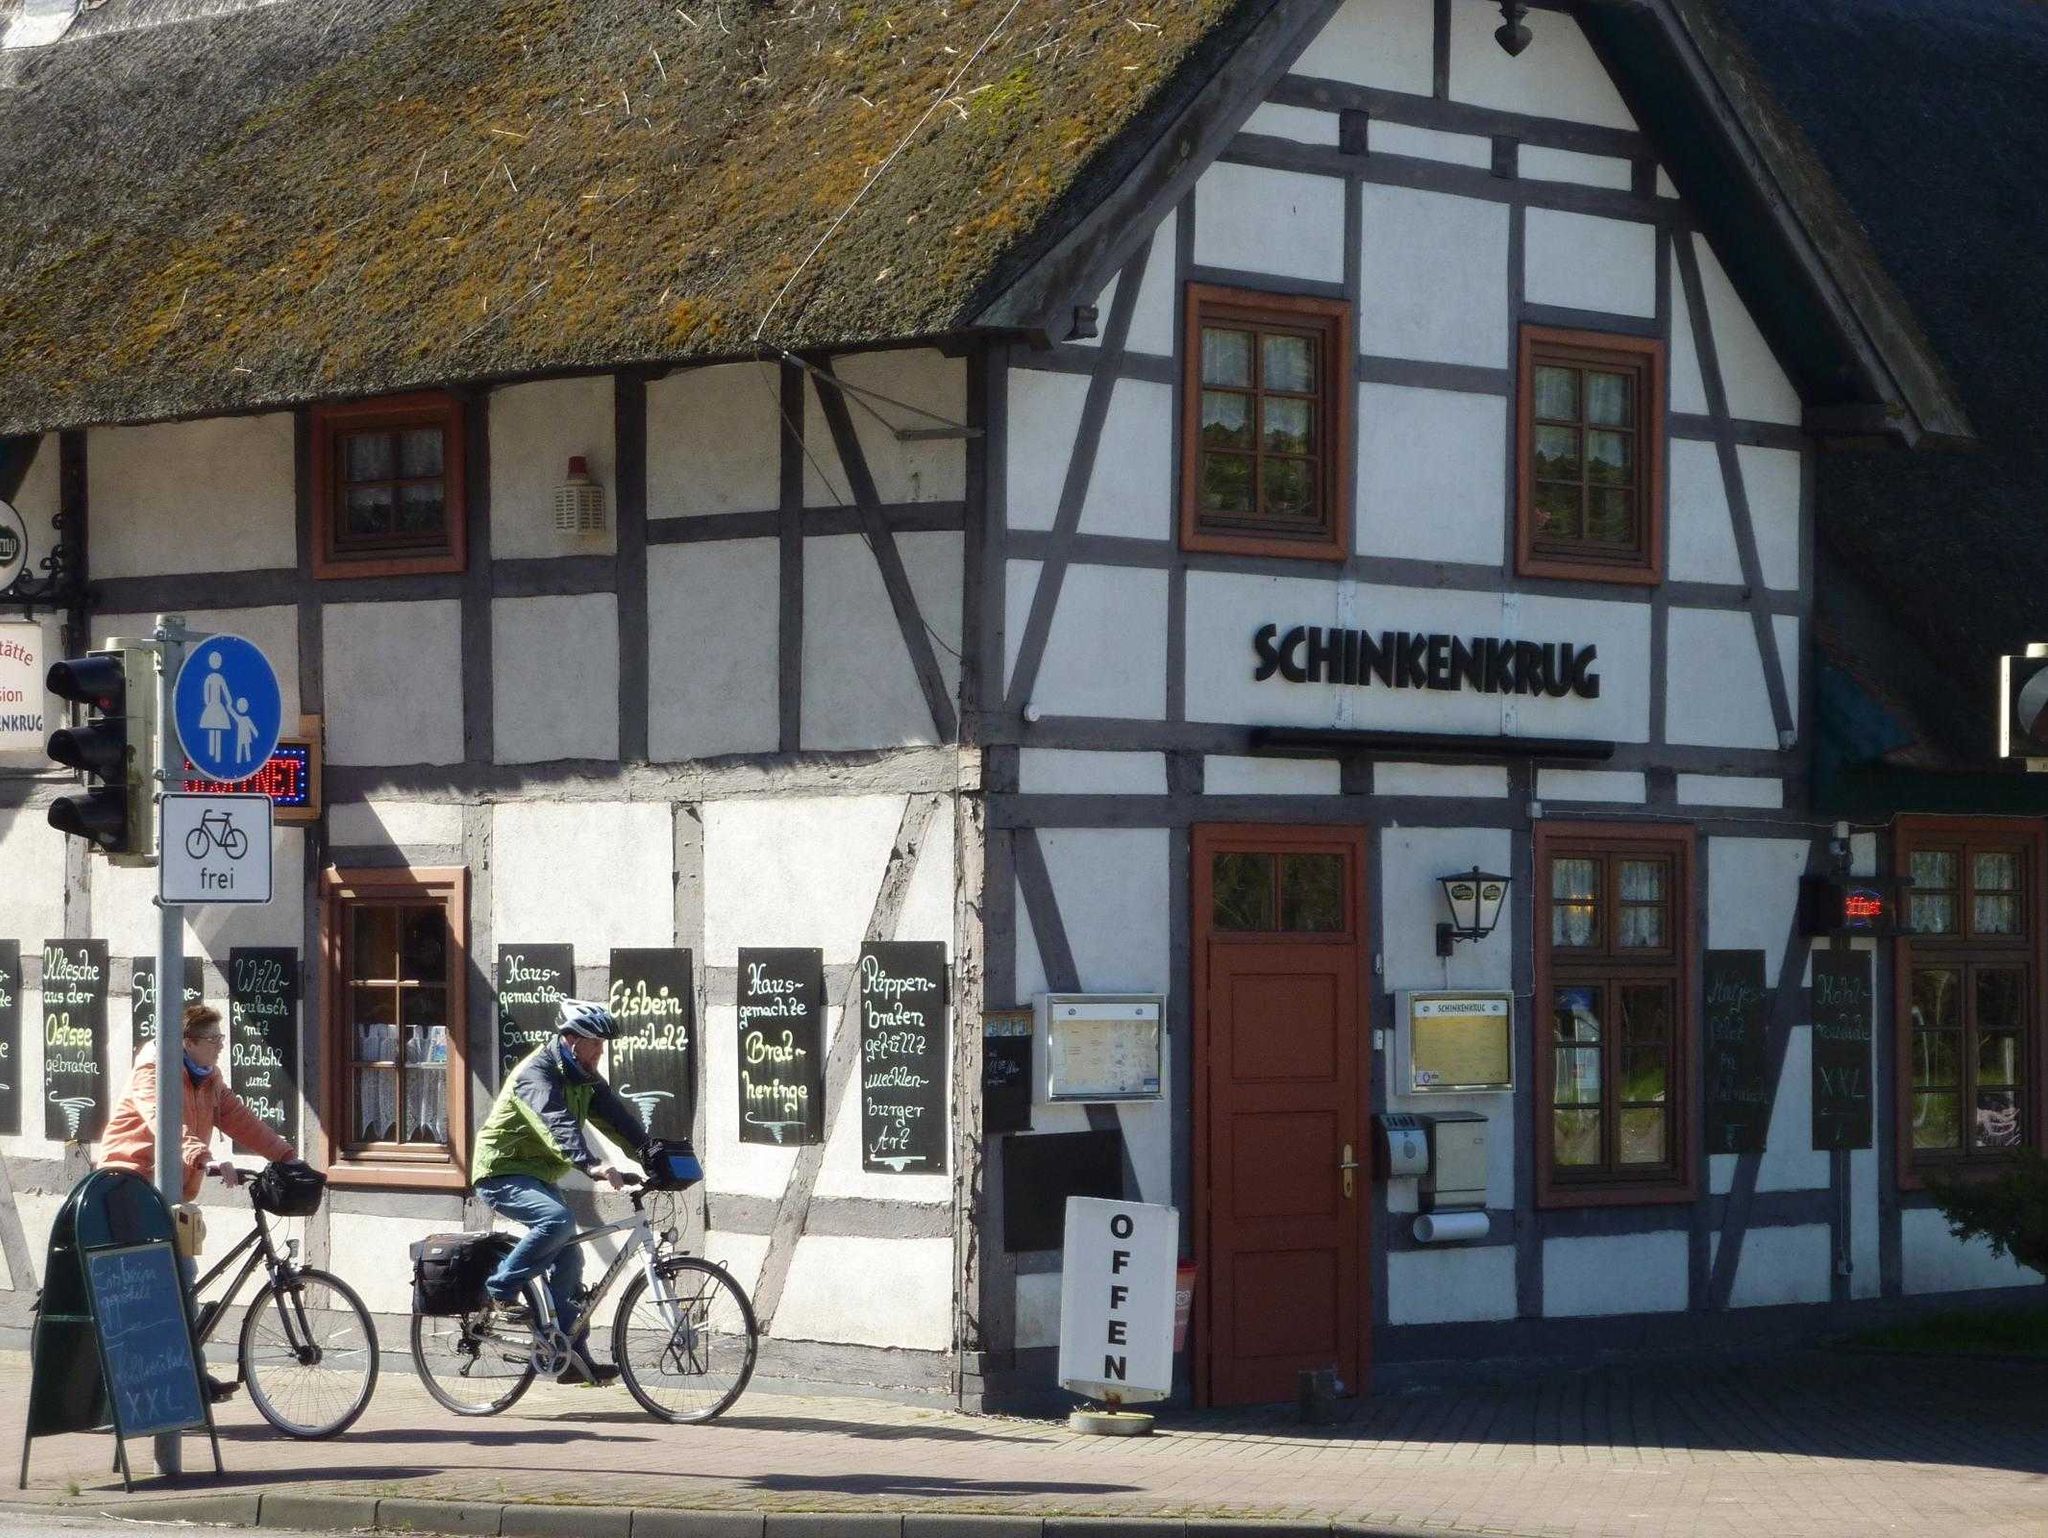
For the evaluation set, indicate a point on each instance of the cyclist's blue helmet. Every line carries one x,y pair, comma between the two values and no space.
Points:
585,1019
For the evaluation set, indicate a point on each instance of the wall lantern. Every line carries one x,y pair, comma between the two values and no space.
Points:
579,501
1475,900
1515,36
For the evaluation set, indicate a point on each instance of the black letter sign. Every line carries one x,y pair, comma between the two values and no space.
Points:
74,1039
532,982
10,1037
782,1046
1841,1049
653,1064
1738,1098
142,995
263,1034
903,1059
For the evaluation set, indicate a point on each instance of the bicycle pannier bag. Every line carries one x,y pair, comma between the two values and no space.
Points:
449,1271
289,1190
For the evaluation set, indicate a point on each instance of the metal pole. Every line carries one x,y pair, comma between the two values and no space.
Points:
170,973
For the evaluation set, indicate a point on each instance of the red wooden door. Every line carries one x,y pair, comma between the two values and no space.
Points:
1279,929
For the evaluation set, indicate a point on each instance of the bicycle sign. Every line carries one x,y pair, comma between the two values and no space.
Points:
215,849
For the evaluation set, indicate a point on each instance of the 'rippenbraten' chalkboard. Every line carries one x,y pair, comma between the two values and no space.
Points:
10,1037
142,995
1737,1065
782,1045
145,1339
903,1059
532,982
74,1039
263,1034
1841,1049
654,1061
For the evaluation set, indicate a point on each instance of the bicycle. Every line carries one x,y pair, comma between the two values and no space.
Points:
307,1343
684,1338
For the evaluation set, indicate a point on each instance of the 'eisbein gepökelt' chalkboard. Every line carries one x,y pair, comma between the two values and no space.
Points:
903,1058
145,1340
654,1061
142,995
263,1034
1841,1049
10,1037
74,1039
1733,1053
782,1045
532,982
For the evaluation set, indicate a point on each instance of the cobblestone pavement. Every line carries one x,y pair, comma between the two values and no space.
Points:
1806,1446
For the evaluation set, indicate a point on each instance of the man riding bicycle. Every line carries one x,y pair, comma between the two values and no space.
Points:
532,1138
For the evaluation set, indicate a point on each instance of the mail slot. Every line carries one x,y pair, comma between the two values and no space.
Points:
1403,1145
1456,1176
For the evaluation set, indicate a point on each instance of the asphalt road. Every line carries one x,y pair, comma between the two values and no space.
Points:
25,1524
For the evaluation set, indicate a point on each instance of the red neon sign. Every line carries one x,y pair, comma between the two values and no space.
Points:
287,779
1863,905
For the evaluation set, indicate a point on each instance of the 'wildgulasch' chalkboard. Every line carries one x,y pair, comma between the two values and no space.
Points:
142,995
1737,1065
903,1059
145,1340
532,982
782,1045
1841,1050
654,1061
263,1034
74,1039
10,1037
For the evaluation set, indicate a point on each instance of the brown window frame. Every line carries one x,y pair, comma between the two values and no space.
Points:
1604,965
1330,320
397,1166
1642,357
1966,950
429,408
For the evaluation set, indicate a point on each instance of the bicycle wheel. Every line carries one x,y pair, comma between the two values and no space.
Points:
474,1364
309,1355
689,1356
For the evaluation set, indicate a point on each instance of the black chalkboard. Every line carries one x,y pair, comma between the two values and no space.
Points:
74,1039
138,1309
142,995
1006,1070
263,1034
654,1061
532,982
903,1066
10,1037
782,1045
1040,1173
1841,1050
1736,1063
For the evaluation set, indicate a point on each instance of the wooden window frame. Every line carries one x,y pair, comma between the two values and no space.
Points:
1968,836
1645,358
427,408
1332,318
1679,964
390,1169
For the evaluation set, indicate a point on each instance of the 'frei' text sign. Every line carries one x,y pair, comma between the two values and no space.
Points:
1116,1299
228,708
215,849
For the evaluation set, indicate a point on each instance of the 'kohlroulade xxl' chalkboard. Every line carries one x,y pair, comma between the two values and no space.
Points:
782,1045
1737,1065
532,982
654,1061
74,1039
263,1034
10,1037
1841,1049
903,1058
142,995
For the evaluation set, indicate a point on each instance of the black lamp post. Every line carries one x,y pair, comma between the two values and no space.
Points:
1475,898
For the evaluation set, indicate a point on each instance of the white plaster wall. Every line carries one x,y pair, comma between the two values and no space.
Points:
1629,1274
393,824
207,496
1933,1260
1452,1285
928,471
1702,541
714,441
1287,223
869,1292
1783,1265
712,628
762,860
1386,138
1758,388
372,1254
535,429
1537,163
1063,772
741,1254
730,1166
124,913
1488,780
1432,474
860,689
1154,327
393,682
1412,905
1770,479
1590,785
32,862
1865,1177
1223,775
1130,485
1304,125
273,630
1044,418
592,874
1386,43
1038,1310
1558,77
1730,790
1688,386
1435,276
929,902
1591,263
556,694
1753,895
1106,652
1717,694
1790,1162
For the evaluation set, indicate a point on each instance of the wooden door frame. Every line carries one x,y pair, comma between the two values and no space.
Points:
1207,840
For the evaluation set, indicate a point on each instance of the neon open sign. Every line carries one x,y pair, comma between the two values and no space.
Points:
287,779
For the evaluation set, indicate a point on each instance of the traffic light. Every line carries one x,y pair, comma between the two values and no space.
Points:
115,748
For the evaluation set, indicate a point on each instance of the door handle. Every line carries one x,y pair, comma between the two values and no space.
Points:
1348,1165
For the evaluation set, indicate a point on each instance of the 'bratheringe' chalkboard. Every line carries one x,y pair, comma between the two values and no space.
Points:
142,995
532,982
782,1045
145,1340
1841,1050
654,1061
10,1037
74,1039
263,1034
903,1058
1738,1091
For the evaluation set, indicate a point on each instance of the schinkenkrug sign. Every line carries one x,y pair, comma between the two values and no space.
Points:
1403,659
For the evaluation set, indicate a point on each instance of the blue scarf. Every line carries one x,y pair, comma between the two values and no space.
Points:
199,1074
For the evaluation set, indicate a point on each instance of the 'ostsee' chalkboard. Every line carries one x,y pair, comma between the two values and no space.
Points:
782,1045
142,995
1842,1109
263,1034
138,1309
532,982
74,1040
903,1058
1737,1066
653,1063
10,1037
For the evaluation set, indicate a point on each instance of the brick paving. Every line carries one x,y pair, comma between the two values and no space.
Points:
1805,1446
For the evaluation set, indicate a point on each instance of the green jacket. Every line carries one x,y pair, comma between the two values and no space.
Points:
536,1124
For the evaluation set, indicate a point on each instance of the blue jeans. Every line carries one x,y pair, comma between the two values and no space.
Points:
545,1247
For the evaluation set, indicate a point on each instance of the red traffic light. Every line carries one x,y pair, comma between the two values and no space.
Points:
96,680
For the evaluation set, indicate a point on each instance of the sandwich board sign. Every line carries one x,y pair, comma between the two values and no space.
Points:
1116,1300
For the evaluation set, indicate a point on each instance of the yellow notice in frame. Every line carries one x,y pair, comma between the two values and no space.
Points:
1456,1042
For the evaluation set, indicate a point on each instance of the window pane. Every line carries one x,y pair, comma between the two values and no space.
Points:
1996,872
1227,483
1998,1119
425,1010
2000,996
1244,891
1576,1072
1312,893
1643,898
1226,420
1557,454
1931,915
1611,516
1643,1137
1933,868
1290,363
1290,489
1995,915
1937,1059
426,1105
1646,1013
376,1105
1572,912
1557,394
425,945
1289,426
1557,509
1610,458
373,943
1937,999
1642,928
368,456
1575,1017
1226,357
419,451
1575,1138
374,1015
1610,399
1937,1120
1645,1074
420,509
1998,1060
1930,910
1643,880
368,512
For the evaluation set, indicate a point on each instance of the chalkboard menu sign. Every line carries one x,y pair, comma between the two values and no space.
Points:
1737,1064
10,1037
145,1340
263,1034
532,982
1006,1070
654,1060
903,1084
142,995
782,1045
1841,1049
74,1039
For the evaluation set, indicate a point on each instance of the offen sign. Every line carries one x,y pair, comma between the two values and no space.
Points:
1116,1300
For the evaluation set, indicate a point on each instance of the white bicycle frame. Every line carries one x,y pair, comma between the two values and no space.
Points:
640,1243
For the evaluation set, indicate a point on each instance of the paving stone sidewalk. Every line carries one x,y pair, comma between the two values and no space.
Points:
1806,1446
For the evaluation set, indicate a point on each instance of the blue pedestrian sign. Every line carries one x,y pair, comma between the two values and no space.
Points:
228,708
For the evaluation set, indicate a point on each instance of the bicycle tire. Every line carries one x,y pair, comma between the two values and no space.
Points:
713,1289
271,1380
455,1339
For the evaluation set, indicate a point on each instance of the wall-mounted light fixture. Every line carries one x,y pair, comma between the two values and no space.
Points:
1515,36
1475,900
579,501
